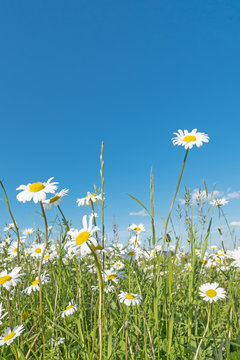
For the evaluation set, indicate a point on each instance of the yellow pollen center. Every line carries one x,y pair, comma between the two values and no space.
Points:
211,293
204,262
38,250
131,253
111,276
53,199
9,336
46,257
189,268
137,228
4,279
130,296
35,282
15,250
57,339
38,186
118,265
82,237
69,307
189,138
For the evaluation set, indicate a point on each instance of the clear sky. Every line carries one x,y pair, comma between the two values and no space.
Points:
129,73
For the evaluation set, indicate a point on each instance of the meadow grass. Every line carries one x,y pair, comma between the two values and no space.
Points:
140,300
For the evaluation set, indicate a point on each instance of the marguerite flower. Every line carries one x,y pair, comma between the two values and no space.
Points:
211,292
113,275
56,199
57,341
36,191
137,228
81,239
188,139
9,335
219,202
70,309
86,201
37,250
10,226
28,231
35,284
11,279
129,299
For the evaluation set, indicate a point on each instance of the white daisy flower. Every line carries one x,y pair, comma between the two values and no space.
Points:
129,299
11,279
12,250
10,226
81,239
57,341
36,250
219,202
9,335
113,275
36,191
55,200
35,284
137,228
107,288
188,266
211,292
118,265
70,309
86,201
28,231
188,139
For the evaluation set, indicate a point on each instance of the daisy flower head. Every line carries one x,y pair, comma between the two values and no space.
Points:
10,226
188,139
36,191
129,299
28,231
57,341
9,335
86,201
113,275
70,309
219,202
81,239
8,280
211,292
137,228
36,250
35,284
55,200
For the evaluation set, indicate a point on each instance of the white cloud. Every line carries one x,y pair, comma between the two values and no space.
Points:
235,223
139,213
233,195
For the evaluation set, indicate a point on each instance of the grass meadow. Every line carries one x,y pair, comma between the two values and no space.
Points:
76,295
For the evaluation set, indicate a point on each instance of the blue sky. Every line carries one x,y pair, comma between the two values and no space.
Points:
74,74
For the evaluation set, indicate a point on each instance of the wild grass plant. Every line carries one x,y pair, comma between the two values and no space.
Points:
76,296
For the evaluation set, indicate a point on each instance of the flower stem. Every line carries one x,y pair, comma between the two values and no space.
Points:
205,332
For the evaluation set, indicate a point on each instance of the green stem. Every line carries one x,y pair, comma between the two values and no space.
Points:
205,332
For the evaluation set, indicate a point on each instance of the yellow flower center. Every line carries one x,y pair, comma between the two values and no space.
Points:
137,228
82,237
38,186
53,199
4,279
38,250
189,138
131,253
15,250
57,339
204,262
47,256
118,265
111,276
9,336
130,296
69,307
211,293
35,282
189,268
98,247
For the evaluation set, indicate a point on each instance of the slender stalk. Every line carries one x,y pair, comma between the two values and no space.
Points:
170,211
9,311
39,277
64,219
220,228
15,224
102,188
205,332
